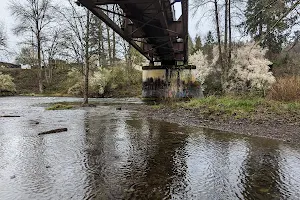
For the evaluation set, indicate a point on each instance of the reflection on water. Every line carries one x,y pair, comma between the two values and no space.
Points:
111,154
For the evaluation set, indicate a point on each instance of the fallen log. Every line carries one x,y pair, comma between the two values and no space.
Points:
10,116
54,131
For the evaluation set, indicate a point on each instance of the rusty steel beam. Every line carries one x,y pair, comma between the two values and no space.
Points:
150,23
105,2
101,15
185,14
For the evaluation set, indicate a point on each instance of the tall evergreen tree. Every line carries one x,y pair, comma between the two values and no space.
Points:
197,46
262,22
190,45
208,46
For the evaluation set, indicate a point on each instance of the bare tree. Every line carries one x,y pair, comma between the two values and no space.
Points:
77,40
33,16
218,32
230,32
87,62
3,38
53,47
109,40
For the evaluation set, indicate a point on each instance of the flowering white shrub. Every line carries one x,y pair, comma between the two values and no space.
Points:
203,69
6,83
250,69
99,80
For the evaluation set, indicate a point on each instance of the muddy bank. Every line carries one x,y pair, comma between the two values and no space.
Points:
269,126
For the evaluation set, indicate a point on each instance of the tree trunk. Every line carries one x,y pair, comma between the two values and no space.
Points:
108,41
114,40
130,56
40,76
100,43
87,64
218,32
46,69
225,57
50,63
230,34
226,33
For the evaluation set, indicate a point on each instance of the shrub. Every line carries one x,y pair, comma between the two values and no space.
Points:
286,89
203,69
99,81
116,81
249,71
6,84
124,82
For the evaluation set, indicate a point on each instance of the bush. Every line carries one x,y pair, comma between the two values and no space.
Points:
99,81
124,82
286,89
249,71
6,84
26,81
118,81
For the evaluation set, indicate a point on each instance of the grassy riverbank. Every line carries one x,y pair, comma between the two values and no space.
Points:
236,114
67,82
238,107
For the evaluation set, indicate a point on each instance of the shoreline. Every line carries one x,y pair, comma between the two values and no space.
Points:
278,128
264,124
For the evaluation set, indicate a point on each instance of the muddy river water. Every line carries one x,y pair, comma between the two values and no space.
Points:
111,154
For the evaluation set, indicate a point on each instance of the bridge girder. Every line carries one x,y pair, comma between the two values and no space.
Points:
149,26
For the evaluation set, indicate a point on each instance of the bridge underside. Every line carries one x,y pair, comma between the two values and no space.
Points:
151,28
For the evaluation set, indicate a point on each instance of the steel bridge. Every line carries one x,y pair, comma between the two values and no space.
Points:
150,27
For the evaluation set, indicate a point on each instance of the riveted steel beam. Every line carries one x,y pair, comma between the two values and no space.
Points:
150,26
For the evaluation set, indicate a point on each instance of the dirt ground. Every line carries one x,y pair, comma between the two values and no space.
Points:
285,128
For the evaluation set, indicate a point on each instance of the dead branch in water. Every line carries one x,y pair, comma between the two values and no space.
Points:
3,116
54,131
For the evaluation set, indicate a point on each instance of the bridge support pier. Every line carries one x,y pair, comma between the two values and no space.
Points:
161,82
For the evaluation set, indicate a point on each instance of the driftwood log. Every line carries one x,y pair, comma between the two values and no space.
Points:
54,131
9,116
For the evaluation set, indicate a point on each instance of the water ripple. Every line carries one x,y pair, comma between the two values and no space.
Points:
109,154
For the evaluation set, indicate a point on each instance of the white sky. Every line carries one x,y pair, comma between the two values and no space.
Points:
9,21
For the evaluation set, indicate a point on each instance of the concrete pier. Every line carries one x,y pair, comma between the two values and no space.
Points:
170,82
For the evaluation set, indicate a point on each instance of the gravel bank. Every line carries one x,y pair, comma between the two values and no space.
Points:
285,128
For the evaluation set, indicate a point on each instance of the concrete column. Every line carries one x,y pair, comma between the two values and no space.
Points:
169,82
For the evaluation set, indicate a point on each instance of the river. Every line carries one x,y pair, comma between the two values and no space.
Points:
111,154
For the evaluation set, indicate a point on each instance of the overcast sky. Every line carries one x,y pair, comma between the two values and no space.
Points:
9,22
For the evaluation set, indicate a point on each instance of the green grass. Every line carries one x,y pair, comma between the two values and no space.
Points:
239,106
156,106
60,107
